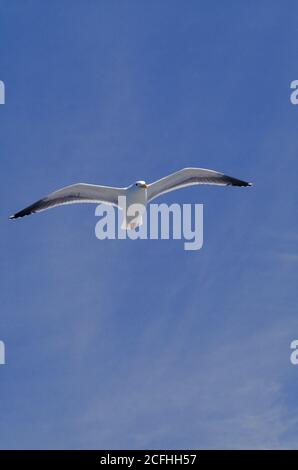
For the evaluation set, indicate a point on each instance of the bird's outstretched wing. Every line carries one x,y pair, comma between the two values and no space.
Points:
73,194
189,177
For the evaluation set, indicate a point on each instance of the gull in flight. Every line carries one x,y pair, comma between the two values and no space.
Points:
137,193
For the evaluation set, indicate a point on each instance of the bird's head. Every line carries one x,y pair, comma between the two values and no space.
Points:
140,185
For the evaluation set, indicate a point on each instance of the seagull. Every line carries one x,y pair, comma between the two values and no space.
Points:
137,193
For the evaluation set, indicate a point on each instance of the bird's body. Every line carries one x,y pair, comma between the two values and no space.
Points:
136,198
138,193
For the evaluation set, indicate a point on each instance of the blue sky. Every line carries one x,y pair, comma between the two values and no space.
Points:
140,344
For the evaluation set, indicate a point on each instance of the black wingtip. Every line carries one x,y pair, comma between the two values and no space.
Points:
236,182
20,214
27,211
15,216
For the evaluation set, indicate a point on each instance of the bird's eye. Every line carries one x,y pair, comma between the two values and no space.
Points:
137,184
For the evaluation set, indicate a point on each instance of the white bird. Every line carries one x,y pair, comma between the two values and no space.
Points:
137,193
